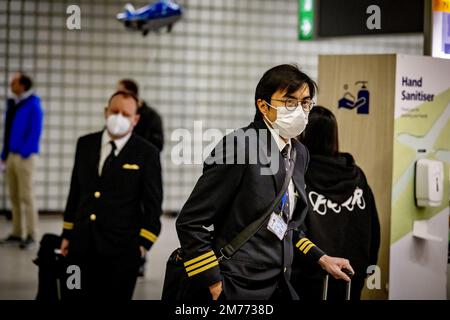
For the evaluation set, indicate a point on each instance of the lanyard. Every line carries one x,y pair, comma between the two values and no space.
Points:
283,202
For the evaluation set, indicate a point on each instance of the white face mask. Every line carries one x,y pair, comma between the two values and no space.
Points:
289,123
117,124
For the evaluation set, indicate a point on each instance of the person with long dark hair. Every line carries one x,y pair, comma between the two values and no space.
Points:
342,217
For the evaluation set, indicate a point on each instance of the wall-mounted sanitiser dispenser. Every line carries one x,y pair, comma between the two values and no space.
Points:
429,184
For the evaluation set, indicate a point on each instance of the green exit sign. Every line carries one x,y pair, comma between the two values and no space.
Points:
305,19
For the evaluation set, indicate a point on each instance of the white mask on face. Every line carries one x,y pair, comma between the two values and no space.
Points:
289,123
117,124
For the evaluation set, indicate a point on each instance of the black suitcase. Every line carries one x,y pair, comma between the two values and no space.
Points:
347,288
51,263
175,279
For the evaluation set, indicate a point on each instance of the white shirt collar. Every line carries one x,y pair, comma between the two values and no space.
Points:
22,97
120,143
280,142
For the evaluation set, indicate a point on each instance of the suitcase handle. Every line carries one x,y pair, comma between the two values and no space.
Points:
347,287
348,273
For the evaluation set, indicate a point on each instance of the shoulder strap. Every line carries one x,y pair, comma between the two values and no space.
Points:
234,245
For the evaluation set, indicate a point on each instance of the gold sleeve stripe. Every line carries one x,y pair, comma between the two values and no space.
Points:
148,235
199,258
208,266
201,263
68,225
301,241
308,247
304,245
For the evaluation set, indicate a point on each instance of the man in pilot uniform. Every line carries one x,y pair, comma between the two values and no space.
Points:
112,215
231,194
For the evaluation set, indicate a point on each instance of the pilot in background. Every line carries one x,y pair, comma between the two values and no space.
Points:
342,216
112,216
150,126
230,195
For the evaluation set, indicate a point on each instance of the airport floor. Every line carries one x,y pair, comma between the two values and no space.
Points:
18,274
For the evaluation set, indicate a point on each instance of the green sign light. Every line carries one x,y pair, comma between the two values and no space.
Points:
305,19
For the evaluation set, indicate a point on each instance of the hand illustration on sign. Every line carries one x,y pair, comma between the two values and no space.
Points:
361,103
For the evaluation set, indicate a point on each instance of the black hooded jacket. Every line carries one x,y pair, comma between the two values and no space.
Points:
342,217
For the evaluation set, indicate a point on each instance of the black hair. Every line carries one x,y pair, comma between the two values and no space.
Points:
283,77
25,81
321,133
125,94
130,85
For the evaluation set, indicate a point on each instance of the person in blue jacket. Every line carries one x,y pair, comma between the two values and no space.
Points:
23,128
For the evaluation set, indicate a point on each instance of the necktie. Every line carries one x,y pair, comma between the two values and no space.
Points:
109,160
285,153
285,200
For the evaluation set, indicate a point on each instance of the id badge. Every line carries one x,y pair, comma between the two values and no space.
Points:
277,225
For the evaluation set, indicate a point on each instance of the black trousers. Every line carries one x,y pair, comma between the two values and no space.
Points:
106,277
284,292
195,293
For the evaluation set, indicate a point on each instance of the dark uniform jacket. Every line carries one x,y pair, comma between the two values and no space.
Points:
117,212
230,197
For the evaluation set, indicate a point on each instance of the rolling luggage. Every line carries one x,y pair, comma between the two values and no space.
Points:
347,288
51,265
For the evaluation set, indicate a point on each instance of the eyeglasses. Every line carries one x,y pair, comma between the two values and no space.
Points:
291,104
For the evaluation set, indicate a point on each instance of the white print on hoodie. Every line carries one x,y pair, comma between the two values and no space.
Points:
320,203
